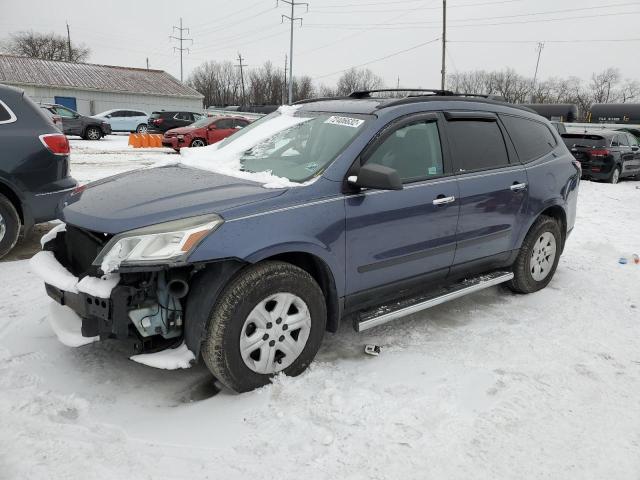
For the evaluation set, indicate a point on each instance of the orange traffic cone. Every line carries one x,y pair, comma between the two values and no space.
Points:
145,140
137,141
131,139
158,142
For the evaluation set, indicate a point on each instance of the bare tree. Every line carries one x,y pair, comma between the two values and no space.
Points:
219,82
628,92
358,79
303,88
48,46
602,84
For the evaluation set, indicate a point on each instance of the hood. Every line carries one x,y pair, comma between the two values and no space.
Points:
182,130
146,197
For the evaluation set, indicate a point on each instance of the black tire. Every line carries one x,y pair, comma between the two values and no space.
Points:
613,178
92,133
9,226
252,285
199,142
523,281
142,128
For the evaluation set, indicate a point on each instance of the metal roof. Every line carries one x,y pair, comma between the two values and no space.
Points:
88,76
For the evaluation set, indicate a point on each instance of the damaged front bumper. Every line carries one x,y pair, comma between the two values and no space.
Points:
138,305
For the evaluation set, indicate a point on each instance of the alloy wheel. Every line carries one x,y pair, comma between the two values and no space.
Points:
543,256
275,333
197,143
93,134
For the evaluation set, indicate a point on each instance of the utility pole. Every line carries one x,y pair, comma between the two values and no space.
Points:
292,18
68,43
535,75
181,39
147,63
284,85
444,44
242,65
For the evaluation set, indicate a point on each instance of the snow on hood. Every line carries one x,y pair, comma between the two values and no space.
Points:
226,160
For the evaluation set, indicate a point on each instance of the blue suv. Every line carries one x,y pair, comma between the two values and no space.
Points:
361,209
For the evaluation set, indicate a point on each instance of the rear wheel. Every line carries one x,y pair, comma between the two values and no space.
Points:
271,318
615,176
9,226
142,128
538,258
198,142
93,133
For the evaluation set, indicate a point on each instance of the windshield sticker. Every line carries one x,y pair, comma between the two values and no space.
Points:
345,121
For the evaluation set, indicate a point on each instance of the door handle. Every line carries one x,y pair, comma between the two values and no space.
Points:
442,200
516,187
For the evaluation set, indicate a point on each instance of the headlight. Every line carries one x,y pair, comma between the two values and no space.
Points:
170,241
180,137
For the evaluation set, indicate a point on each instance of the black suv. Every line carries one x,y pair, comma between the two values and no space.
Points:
34,166
605,154
160,122
75,124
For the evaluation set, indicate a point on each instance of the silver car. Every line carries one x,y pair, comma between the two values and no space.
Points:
125,120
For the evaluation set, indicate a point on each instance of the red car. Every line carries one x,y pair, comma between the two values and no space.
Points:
203,132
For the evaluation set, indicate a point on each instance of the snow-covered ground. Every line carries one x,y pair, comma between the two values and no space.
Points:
491,386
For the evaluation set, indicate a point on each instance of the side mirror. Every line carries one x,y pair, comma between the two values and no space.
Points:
212,127
107,116
635,148
376,176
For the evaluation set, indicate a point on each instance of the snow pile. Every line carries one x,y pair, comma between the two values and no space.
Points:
168,359
98,287
67,326
53,233
47,267
226,159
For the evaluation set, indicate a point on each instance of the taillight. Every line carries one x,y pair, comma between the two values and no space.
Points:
600,153
157,121
57,143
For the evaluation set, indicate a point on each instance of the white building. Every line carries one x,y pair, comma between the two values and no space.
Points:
90,89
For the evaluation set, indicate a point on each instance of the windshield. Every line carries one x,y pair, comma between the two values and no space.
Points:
303,150
288,144
583,140
203,122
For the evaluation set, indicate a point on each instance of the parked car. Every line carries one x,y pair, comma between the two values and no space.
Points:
607,155
125,120
206,131
55,118
73,123
34,171
160,122
390,206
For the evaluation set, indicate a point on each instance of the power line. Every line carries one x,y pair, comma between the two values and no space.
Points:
378,59
591,40
292,19
321,8
181,39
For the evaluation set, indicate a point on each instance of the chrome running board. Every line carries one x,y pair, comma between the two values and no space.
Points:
402,308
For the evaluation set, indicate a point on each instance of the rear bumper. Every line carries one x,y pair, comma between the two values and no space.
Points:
46,205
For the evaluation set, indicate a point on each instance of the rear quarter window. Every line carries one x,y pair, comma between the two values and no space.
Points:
6,114
532,139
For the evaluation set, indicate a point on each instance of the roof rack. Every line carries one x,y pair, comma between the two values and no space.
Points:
367,93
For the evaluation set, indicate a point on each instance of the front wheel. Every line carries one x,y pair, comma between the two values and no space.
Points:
198,142
93,133
538,258
271,318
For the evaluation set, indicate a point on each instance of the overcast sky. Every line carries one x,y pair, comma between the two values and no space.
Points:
483,34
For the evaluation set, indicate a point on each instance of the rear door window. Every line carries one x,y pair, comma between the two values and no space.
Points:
532,139
622,140
476,145
63,112
224,124
414,151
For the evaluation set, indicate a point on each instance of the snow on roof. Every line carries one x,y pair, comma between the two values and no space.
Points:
34,71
